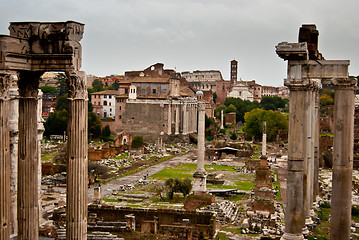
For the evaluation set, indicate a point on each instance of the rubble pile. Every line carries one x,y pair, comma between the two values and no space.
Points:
227,211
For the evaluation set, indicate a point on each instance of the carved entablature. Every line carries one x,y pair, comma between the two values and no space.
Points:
35,46
292,51
303,84
77,84
69,30
4,85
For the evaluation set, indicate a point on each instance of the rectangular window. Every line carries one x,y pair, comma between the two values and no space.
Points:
153,90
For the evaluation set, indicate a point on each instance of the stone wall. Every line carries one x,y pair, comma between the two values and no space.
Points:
144,120
170,221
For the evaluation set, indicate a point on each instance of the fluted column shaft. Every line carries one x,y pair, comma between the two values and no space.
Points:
77,162
316,146
4,157
177,120
27,200
185,119
300,91
169,120
344,94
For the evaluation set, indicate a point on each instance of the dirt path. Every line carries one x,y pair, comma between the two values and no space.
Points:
108,188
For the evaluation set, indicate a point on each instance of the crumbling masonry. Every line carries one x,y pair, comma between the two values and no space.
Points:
307,72
31,49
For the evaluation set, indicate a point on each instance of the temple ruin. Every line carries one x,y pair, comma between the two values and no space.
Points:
307,72
31,49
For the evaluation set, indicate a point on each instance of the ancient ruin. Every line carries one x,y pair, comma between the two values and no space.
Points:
31,49
307,72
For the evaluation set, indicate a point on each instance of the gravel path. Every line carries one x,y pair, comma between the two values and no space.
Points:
108,188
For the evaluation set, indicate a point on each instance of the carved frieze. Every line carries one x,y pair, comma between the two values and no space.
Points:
76,81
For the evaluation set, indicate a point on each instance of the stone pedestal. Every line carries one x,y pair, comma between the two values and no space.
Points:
4,157
344,94
77,163
27,200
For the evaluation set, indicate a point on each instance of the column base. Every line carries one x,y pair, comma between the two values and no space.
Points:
290,236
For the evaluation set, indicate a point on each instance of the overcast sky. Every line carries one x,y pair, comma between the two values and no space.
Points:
188,35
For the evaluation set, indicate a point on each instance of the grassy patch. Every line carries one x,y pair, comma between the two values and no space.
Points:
221,236
244,185
110,200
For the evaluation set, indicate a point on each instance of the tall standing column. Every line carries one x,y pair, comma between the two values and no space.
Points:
4,157
222,126
297,144
316,146
309,152
199,184
169,122
27,200
77,162
177,119
344,94
264,139
185,119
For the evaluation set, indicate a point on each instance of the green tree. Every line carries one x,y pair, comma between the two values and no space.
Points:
183,186
217,111
137,142
94,126
275,120
106,133
48,89
61,103
241,106
62,82
56,123
214,97
97,85
272,103
115,85
234,136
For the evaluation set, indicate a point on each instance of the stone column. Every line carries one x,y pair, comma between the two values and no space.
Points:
222,126
14,153
4,157
309,152
199,184
264,139
169,122
185,119
344,94
27,199
297,144
77,162
177,119
316,146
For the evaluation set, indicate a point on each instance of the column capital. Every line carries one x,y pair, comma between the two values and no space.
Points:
76,80
4,85
201,106
345,83
303,84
